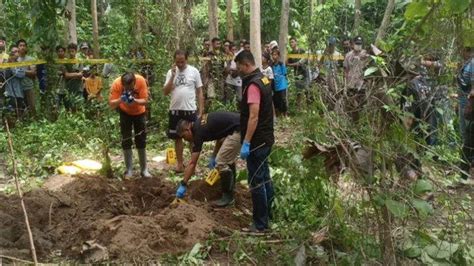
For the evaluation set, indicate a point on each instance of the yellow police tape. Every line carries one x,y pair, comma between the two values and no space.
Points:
105,61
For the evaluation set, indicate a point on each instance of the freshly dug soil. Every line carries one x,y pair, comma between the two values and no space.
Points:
91,218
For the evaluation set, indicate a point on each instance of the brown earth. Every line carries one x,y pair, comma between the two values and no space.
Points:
91,219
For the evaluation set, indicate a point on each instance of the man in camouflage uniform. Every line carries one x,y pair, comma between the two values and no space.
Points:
214,72
355,64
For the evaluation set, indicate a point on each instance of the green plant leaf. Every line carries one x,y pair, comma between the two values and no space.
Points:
456,6
441,250
410,249
195,250
422,186
423,207
398,209
370,71
416,9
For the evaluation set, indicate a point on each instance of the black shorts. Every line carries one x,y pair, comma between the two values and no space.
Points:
173,118
279,101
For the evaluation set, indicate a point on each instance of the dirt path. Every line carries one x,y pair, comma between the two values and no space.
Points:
89,219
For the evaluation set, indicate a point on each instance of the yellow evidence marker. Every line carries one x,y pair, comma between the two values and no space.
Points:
170,156
212,177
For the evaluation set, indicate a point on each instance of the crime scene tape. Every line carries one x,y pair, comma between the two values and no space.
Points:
70,61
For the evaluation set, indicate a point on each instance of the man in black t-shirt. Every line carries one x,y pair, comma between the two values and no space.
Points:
223,127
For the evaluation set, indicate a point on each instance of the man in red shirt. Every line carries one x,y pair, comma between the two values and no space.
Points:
129,94
256,131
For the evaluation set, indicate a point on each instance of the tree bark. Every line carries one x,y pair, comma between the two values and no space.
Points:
283,37
230,21
213,19
242,19
72,32
357,16
255,39
177,22
95,28
385,21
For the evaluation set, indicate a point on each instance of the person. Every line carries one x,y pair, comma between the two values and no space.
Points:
256,127
13,87
266,68
241,45
61,97
465,78
281,85
183,83
329,63
27,82
129,94
84,51
301,73
224,128
93,85
267,49
3,49
346,45
354,64
247,46
206,45
214,72
468,144
273,46
73,78
233,82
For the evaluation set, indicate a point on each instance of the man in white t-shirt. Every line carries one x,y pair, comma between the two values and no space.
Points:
184,84
233,81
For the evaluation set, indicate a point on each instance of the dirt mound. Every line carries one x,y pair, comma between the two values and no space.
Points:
128,220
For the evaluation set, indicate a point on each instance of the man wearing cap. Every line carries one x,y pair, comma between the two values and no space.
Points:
329,63
224,128
355,63
129,94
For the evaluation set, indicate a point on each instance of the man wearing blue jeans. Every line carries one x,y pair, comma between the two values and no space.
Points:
465,81
256,130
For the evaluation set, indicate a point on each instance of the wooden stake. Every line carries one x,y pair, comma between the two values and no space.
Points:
20,194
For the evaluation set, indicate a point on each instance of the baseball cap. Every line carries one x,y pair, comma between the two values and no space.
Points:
358,40
273,44
84,45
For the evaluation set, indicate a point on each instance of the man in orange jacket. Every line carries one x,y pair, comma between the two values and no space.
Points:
129,94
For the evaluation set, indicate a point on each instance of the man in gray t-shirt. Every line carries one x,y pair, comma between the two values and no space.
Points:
27,83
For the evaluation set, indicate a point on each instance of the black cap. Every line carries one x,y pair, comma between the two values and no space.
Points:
358,40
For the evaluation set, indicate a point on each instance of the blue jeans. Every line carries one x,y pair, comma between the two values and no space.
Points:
261,186
462,105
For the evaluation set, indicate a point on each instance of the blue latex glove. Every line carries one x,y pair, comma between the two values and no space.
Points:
181,191
245,150
212,162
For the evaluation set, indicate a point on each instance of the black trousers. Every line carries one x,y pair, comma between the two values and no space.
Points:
137,122
467,154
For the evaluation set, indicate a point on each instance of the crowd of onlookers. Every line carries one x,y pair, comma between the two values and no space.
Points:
341,69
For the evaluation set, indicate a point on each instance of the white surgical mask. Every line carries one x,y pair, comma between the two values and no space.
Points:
357,47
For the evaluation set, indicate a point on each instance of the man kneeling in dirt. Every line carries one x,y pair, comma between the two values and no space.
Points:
224,128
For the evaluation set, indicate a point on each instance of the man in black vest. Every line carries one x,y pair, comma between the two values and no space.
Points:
256,124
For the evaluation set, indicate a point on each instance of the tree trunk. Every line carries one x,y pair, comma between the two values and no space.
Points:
95,28
242,19
357,16
283,38
386,20
230,21
255,40
72,32
213,19
177,21
138,29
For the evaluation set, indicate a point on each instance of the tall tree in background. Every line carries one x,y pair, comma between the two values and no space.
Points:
71,21
242,18
255,39
95,28
283,38
230,21
213,19
176,14
385,21
357,16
